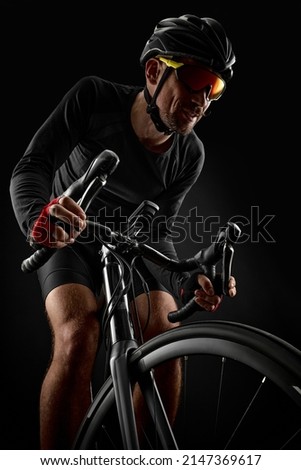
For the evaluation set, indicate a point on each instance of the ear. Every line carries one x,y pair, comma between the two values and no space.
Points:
152,70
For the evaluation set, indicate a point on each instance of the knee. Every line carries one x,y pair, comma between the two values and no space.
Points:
77,340
73,318
161,303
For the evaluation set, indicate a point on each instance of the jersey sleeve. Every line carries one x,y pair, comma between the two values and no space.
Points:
32,177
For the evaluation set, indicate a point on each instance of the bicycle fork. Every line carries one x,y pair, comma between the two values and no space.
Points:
122,343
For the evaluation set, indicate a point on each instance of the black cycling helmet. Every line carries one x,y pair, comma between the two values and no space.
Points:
202,39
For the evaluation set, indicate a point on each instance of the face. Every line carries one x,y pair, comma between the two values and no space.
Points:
180,108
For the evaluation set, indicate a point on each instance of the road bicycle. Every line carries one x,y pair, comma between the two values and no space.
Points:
241,385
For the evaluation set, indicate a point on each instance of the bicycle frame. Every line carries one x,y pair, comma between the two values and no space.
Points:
122,343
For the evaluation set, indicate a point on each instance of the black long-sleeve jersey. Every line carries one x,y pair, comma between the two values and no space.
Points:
94,115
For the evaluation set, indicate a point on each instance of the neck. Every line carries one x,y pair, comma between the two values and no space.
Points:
145,129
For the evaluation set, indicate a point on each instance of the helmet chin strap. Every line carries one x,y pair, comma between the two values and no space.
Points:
152,109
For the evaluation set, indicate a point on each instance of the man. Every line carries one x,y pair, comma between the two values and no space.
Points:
188,62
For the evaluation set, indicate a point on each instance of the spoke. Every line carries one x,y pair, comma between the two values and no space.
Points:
245,413
155,410
147,439
219,395
103,427
290,439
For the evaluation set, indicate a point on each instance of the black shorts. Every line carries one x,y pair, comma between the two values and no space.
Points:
81,263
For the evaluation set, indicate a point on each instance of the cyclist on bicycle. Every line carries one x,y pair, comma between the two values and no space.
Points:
188,63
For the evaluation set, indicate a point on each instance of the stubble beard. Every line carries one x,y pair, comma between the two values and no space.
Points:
173,123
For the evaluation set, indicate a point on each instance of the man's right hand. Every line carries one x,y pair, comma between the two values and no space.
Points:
48,233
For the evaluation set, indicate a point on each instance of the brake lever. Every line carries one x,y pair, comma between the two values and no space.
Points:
220,251
226,238
86,188
143,215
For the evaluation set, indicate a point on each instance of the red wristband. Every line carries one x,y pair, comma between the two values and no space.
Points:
43,228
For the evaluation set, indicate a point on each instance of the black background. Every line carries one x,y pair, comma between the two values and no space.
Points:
46,47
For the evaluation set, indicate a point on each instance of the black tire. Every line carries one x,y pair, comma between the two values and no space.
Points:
265,358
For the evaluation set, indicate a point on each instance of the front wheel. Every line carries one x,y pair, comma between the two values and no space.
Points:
241,390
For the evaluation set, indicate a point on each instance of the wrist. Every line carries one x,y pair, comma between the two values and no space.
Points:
43,228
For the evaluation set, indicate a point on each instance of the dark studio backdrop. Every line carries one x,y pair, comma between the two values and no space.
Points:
46,47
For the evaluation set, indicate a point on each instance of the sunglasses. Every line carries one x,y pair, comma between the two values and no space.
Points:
196,78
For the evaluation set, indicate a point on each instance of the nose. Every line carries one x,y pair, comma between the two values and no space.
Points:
200,98
203,95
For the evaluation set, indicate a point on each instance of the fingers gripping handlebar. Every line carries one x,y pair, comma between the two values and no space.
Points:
206,260
83,191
